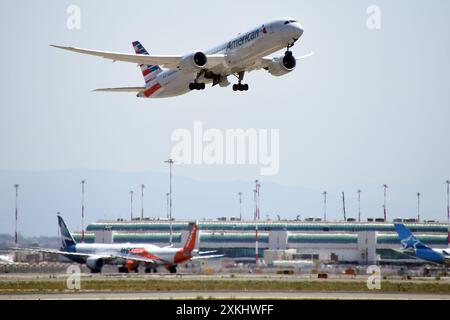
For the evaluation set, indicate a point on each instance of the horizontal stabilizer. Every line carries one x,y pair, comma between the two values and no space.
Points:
124,89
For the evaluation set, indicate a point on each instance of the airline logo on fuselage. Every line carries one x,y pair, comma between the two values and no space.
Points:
244,39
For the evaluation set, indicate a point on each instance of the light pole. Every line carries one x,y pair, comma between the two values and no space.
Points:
257,202
359,205
16,235
324,206
170,162
384,203
418,206
240,206
343,206
142,201
448,211
59,232
256,218
83,182
167,205
131,205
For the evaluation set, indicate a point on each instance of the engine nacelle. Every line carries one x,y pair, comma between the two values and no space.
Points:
282,65
193,62
94,263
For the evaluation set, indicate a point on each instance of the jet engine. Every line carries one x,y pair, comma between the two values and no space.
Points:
95,264
193,62
282,65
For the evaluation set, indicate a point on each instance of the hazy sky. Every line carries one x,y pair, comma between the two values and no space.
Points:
370,107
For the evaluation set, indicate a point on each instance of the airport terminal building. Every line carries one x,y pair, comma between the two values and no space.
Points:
352,242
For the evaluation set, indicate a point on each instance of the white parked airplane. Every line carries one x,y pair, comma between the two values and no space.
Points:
174,75
127,256
6,259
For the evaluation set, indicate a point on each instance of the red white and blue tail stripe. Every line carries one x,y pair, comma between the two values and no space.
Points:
149,72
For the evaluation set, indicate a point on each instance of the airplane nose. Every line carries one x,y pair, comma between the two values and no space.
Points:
298,29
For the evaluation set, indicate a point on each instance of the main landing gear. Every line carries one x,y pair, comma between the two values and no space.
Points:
240,86
197,85
123,269
172,269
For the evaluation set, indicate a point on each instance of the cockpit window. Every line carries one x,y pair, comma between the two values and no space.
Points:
290,21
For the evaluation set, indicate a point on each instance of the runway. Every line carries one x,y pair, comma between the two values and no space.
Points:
152,295
236,286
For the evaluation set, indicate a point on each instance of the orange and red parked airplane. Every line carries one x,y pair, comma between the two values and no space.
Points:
128,256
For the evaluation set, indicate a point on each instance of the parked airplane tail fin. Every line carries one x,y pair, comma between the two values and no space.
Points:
67,239
407,239
148,71
192,238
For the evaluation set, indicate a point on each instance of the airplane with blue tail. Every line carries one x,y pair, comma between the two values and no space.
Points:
412,245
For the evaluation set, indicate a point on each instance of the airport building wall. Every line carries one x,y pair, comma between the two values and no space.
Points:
365,243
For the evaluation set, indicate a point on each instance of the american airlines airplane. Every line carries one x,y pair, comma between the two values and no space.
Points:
413,246
174,75
130,255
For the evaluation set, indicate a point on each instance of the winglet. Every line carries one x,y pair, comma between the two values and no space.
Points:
306,56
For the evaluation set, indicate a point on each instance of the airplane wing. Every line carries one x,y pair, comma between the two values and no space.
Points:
124,89
167,61
87,255
207,252
214,256
54,251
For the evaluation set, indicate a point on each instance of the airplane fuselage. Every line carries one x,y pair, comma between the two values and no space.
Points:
162,255
240,53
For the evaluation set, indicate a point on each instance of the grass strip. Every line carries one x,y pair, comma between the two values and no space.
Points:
125,285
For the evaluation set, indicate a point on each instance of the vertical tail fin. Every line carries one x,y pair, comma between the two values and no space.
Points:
407,239
192,238
149,72
66,237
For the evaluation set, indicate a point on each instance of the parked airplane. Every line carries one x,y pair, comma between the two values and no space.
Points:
174,75
6,259
128,256
412,245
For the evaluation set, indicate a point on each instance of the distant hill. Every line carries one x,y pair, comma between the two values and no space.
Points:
7,241
42,194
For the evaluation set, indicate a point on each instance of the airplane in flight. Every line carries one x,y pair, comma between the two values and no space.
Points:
127,256
174,75
415,247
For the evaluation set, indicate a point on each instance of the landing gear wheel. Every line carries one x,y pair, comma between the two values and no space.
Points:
196,86
239,86
173,269
148,270
123,270
96,270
